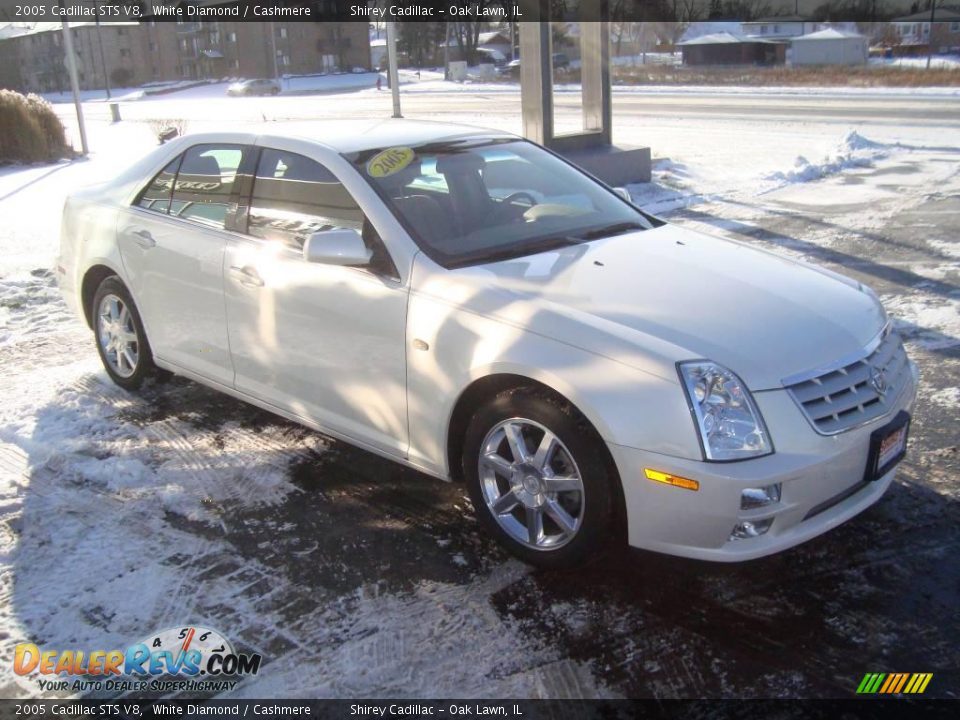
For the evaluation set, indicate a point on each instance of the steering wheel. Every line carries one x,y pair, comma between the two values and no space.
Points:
522,194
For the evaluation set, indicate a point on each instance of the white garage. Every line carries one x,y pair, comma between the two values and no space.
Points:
829,47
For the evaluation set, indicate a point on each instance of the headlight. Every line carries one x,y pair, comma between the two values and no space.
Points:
728,420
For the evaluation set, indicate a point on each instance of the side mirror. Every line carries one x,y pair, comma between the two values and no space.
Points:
622,192
343,246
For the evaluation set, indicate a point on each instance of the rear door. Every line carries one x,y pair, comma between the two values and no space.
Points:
172,242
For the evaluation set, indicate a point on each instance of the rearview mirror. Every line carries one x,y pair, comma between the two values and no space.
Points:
622,192
343,246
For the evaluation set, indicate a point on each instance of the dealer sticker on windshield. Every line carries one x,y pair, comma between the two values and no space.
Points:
389,161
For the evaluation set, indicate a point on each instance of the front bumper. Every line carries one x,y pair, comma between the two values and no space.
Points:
821,476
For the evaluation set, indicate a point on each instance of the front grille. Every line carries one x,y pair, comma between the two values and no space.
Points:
856,392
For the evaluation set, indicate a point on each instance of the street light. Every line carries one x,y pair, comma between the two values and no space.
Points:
74,84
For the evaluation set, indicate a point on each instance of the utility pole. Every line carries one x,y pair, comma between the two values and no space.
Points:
392,67
273,51
103,60
74,83
933,15
446,52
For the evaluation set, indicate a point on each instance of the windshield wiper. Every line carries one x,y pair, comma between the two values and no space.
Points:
554,242
614,229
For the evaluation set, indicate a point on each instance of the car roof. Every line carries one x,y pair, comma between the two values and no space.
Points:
354,135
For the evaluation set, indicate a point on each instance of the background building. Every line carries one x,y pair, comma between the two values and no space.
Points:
726,48
129,55
830,47
915,33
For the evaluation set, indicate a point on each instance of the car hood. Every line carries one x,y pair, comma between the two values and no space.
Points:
655,297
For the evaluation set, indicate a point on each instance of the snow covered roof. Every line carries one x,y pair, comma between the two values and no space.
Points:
699,29
722,38
9,30
828,34
492,36
941,14
780,19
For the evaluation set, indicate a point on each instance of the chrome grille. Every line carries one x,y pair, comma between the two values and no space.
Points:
855,392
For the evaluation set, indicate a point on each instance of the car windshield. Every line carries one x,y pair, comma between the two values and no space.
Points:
473,201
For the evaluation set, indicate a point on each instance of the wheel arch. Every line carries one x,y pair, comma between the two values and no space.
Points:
92,279
487,387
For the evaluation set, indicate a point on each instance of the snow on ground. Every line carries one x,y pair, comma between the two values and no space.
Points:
948,62
109,513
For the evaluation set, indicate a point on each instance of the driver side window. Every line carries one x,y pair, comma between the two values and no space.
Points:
294,197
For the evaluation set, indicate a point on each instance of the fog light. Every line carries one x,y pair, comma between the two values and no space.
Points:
753,498
750,529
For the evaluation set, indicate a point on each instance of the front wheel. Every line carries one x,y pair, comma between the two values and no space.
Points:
121,340
536,474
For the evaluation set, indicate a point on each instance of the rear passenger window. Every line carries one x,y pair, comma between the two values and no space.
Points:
204,187
156,196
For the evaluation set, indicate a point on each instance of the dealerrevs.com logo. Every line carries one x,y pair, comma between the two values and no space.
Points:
184,658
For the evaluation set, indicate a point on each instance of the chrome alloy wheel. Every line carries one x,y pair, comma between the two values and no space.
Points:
117,336
531,484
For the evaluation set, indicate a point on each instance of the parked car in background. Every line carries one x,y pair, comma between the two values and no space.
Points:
466,303
254,87
510,69
492,56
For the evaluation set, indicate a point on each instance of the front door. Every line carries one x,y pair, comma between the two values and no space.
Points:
324,342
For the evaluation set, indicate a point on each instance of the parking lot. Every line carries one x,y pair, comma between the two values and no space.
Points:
352,576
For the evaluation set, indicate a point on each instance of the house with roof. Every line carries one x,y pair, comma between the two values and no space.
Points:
728,48
916,33
829,46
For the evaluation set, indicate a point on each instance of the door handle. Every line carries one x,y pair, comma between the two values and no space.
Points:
144,239
246,276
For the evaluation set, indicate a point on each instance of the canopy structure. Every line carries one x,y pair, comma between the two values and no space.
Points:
592,148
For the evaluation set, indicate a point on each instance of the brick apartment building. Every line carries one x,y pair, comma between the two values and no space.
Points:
32,57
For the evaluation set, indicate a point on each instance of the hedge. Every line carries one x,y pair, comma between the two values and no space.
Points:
29,129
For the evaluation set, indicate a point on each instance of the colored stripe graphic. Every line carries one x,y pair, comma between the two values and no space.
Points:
894,683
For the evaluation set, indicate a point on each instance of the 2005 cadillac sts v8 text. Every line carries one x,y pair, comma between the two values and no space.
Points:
469,304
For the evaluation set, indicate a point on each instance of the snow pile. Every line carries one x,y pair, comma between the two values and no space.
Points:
854,151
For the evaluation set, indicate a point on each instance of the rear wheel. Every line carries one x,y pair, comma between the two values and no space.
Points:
121,340
536,474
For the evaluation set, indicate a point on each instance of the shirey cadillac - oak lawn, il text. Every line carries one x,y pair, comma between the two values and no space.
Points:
467,303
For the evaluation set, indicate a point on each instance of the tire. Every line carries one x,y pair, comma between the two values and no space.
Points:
117,324
555,514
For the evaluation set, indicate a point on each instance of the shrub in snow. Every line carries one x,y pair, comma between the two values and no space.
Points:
29,129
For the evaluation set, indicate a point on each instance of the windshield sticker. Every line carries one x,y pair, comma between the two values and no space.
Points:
389,161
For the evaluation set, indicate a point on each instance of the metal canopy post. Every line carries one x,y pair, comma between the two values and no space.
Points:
595,78
536,82
592,148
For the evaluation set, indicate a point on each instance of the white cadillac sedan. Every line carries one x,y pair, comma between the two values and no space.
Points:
469,304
